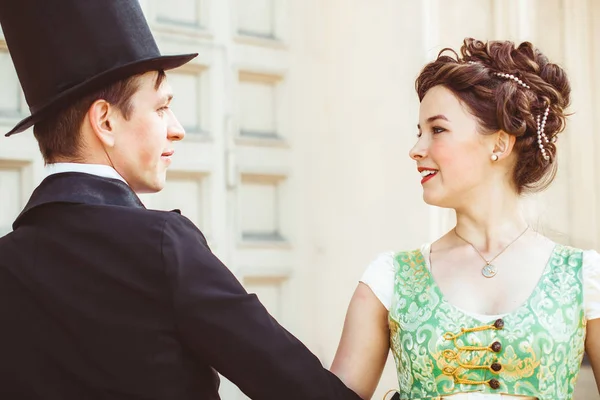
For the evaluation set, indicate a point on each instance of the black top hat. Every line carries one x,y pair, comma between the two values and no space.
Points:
65,49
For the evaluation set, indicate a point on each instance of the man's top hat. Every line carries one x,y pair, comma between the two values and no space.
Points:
65,49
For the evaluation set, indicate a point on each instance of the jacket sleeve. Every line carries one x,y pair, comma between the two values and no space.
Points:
232,331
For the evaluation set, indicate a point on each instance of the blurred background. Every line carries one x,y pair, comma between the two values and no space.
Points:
299,117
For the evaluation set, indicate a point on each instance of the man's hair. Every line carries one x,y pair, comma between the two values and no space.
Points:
58,136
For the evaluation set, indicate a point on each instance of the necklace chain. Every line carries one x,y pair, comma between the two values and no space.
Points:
488,270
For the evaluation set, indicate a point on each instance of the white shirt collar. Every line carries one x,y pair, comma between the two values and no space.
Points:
104,171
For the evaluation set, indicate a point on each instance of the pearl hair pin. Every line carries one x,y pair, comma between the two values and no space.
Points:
514,78
541,135
542,138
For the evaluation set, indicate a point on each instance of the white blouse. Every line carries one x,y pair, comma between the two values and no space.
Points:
379,276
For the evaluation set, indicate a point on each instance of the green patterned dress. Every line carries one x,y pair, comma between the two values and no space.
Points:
533,352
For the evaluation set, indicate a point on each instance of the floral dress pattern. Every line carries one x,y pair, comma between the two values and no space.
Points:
533,351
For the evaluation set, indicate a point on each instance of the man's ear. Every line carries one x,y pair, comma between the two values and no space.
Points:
504,144
101,116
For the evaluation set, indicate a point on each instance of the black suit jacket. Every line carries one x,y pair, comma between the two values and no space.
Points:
101,298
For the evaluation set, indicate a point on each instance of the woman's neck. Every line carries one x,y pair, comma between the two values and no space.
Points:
492,222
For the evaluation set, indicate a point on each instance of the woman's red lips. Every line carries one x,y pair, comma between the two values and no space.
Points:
427,173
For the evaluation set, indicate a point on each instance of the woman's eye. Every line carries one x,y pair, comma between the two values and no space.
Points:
437,129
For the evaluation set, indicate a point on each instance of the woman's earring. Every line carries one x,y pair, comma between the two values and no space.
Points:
494,157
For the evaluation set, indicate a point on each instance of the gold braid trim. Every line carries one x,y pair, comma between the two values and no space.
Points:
455,355
470,382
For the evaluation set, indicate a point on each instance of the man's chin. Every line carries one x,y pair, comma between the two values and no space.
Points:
148,187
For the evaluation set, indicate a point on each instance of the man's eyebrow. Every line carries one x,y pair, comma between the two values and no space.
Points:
166,99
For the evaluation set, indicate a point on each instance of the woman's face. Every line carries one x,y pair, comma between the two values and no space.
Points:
453,158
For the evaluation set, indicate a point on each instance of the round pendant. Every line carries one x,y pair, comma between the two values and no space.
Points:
489,271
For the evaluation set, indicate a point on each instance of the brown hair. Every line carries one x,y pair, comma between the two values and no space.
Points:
58,135
503,104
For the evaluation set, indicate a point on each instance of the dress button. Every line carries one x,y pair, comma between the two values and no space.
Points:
494,383
496,367
496,347
499,324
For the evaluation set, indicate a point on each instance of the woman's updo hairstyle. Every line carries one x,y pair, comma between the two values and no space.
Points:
513,89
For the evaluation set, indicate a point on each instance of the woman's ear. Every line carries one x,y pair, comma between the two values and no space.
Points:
503,144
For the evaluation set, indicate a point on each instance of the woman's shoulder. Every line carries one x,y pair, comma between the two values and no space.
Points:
379,274
388,259
591,283
591,264
590,258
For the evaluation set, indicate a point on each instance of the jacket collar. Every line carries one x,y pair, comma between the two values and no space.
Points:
81,188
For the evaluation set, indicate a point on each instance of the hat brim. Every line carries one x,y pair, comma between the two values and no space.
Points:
98,82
